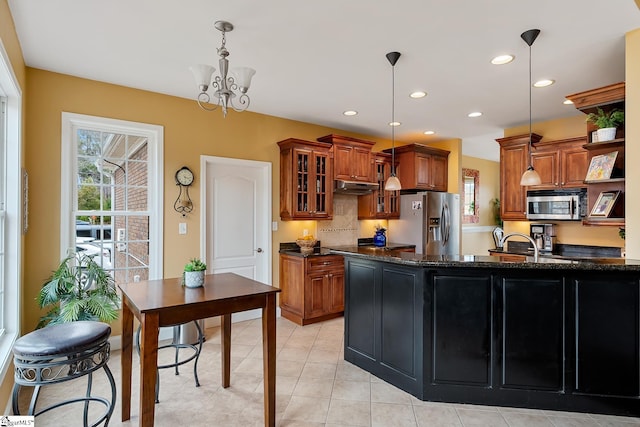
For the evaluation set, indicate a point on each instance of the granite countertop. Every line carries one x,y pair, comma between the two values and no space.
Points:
318,250
479,261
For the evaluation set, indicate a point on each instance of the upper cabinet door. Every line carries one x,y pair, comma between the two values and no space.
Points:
352,158
514,160
306,180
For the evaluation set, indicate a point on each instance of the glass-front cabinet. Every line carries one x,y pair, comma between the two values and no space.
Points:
380,204
306,179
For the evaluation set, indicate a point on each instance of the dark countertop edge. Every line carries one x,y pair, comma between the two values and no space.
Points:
480,261
324,251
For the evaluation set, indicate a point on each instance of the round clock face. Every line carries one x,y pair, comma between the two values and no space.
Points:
184,176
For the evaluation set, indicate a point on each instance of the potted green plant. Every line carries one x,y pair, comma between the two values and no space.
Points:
607,122
79,289
193,275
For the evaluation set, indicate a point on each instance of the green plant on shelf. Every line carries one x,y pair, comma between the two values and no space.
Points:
606,119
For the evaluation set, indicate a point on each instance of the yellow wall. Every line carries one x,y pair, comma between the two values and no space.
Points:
568,232
632,146
474,241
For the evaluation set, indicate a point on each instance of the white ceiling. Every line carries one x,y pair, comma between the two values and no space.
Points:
315,59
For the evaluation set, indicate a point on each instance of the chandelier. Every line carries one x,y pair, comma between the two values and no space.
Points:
229,91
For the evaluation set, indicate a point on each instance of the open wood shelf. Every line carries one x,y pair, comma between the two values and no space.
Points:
614,143
613,222
605,181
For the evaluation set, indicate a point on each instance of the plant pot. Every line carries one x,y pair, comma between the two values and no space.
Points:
193,279
606,134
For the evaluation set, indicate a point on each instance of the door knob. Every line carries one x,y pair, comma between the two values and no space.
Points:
259,250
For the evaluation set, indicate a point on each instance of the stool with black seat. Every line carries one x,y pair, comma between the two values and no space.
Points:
176,344
59,353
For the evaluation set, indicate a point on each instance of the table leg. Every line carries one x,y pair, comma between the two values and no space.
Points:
226,350
125,360
269,359
148,367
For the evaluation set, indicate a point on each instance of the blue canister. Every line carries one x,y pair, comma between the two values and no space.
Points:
379,239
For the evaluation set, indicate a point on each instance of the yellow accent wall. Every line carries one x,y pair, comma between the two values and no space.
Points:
477,239
632,146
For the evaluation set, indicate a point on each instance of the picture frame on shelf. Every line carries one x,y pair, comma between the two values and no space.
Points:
601,167
604,204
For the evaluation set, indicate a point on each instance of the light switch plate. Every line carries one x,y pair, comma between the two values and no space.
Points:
182,228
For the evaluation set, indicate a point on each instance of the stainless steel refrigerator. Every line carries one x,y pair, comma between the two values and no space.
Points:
429,220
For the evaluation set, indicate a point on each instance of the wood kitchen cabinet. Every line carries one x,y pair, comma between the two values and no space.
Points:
514,161
421,167
312,287
607,98
306,180
560,164
380,204
352,158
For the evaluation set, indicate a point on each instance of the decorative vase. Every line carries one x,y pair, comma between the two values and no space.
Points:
193,279
606,134
379,239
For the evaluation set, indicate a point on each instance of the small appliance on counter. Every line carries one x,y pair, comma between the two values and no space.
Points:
544,235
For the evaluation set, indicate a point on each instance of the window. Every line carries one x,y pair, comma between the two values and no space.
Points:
10,210
112,194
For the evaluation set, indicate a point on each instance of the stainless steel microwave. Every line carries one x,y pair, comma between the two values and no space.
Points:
569,204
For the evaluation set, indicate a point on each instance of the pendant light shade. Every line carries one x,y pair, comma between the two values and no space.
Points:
530,176
393,183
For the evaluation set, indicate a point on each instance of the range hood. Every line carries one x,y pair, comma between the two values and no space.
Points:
354,187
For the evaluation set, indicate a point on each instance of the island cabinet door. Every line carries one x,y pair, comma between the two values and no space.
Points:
461,313
607,330
384,321
532,334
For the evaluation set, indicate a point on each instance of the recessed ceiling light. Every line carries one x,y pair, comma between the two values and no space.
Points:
567,102
543,83
418,94
502,59
394,123
429,132
475,114
350,113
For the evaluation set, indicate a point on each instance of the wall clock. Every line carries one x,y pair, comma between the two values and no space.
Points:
184,178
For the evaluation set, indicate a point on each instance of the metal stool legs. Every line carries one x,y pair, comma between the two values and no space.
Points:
196,348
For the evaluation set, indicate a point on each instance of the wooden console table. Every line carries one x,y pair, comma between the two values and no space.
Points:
166,302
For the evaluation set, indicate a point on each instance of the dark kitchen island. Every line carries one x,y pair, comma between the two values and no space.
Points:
554,334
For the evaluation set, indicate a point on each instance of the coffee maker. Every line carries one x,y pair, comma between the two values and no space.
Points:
544,235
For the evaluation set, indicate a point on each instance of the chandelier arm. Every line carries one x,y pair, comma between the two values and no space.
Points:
243,100
203,99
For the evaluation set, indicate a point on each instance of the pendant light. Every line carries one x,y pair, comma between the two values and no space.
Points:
393,183
530,176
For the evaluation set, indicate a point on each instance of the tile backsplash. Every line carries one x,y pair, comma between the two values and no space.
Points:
343,228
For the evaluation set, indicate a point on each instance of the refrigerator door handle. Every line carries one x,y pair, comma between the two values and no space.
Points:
444,224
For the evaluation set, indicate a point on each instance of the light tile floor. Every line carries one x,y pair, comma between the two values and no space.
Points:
315,387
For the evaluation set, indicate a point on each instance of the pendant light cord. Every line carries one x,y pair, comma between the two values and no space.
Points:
530,146
393,120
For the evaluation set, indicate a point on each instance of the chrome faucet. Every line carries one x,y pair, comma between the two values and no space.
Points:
536,251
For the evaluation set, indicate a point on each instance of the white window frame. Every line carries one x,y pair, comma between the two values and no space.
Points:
68,192
12,301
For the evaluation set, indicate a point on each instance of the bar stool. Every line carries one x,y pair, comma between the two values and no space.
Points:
61,353
176,344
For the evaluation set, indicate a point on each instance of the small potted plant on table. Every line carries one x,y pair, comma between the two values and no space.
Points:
607,122
194,273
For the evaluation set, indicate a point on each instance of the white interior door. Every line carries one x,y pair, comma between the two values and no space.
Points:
236,203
